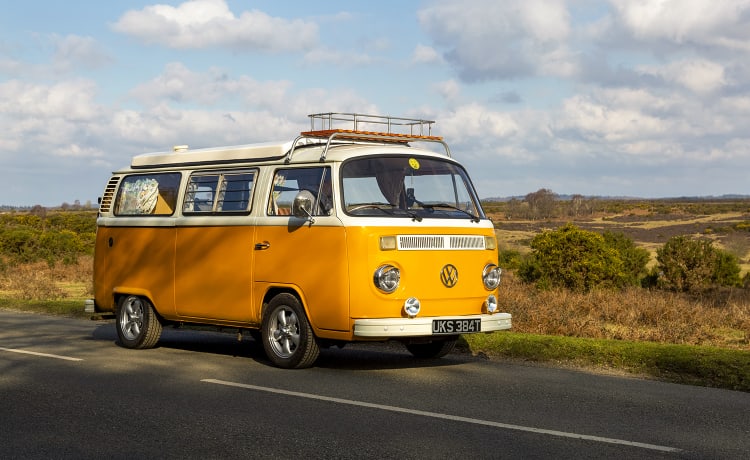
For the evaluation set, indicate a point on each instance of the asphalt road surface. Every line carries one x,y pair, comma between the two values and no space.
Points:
67,390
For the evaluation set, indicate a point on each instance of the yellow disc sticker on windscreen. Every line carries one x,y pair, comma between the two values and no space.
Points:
413,163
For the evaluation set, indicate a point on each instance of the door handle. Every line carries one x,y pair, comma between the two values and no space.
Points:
262,246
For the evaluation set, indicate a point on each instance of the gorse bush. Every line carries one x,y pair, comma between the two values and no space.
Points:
26,238
689,265
580,260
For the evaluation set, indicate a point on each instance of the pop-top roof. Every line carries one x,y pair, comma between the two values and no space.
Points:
326,128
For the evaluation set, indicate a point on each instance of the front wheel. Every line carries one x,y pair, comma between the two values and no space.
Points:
287,336
137,323
434,349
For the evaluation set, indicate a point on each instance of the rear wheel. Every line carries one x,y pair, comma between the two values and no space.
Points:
137,323
434,349
287,336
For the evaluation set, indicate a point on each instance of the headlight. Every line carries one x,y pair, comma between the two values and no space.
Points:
387,278
412,306
491,276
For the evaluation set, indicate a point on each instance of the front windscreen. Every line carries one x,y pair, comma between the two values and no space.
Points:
415,187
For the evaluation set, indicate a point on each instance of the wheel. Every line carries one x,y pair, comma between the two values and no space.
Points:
137,323
434,349
287,336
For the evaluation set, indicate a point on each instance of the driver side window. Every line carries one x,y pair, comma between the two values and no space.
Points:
287,183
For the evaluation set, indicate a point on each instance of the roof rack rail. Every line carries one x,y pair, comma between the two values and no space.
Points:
327,130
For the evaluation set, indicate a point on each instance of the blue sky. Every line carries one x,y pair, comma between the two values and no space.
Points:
646,98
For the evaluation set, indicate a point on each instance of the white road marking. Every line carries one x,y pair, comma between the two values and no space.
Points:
454,418
35,353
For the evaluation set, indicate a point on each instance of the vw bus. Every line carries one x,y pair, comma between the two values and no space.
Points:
357,230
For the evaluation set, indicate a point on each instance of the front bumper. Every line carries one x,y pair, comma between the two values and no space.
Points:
422,327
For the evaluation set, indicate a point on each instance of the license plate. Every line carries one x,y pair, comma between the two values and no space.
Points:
456,326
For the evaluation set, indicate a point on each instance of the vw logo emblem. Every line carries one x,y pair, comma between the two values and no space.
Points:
449,275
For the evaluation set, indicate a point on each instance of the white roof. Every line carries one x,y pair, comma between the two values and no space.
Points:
181,155
306,150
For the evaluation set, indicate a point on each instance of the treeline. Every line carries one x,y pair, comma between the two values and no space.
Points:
49,236
581,260
546,204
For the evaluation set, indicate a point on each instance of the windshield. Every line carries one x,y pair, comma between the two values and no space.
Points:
415,187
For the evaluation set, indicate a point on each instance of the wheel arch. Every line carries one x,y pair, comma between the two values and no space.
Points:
273,291
121,291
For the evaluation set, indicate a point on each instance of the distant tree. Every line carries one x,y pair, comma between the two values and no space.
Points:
39,211
541,203
513,209
577,205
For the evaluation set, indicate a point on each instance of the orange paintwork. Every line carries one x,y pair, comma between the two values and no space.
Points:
215,274
420,275
139,258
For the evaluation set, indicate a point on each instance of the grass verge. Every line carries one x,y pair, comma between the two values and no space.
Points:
71,308
685,364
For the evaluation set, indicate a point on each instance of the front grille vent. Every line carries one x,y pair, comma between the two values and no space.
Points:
438,242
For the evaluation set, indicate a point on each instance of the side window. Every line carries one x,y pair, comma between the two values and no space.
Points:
219,192
288,182
148,194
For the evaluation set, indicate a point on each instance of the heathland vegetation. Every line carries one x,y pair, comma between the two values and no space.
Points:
656,287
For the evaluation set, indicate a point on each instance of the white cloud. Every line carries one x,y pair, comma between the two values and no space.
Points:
697,75
71,100
488,40
478,123
724,23
426,55
73,51
210,23
449,90
181,85
325,55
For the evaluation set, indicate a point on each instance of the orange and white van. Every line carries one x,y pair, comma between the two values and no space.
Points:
341,235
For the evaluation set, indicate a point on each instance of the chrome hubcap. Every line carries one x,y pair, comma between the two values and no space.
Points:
284,332
131,318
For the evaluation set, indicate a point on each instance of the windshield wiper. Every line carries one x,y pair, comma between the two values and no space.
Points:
450,206
376,205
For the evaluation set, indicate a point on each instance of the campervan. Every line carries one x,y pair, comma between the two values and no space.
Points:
362,229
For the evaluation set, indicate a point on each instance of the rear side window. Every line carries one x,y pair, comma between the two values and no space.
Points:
219,192
148,194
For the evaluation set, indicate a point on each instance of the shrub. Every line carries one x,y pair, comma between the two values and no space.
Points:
634,259
689,265
509,259
575,259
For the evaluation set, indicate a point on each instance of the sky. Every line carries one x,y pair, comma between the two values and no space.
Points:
641,98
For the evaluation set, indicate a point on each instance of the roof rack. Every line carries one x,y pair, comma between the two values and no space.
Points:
327,130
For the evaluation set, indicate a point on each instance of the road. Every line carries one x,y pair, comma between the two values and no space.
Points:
67,390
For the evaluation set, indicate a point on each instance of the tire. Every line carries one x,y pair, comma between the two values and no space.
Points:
287,337
136,322
434,349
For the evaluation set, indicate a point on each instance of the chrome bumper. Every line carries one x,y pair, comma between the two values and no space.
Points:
421,327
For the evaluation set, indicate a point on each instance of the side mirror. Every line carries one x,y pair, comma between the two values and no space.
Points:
302,206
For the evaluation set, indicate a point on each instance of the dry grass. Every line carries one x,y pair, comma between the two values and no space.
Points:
721,318
40,282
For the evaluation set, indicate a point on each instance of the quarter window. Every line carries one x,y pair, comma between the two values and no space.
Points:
148,194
